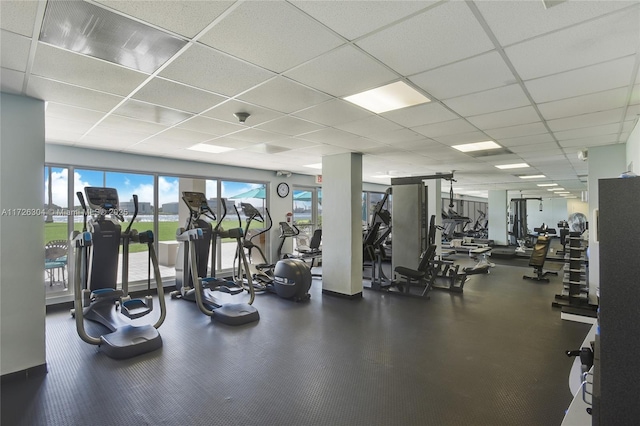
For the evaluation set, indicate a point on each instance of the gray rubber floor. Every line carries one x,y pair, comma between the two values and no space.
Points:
491,356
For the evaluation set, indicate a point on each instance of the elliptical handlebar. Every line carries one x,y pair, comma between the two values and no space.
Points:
84,210
135,214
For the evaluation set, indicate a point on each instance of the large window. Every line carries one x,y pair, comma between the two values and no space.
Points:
56,230
235,194
307,213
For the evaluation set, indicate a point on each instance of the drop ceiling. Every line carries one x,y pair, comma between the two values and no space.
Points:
543,83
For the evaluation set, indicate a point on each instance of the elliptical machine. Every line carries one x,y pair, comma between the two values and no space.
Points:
288,278
197,238
95,267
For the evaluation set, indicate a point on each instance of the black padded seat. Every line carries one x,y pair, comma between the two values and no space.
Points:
408,272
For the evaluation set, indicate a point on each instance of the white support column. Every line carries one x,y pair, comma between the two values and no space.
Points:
434,207
342,225
22,292
498,227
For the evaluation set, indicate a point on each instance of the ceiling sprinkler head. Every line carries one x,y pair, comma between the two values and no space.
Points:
242,116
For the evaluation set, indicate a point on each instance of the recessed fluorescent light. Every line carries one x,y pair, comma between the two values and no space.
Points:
314,166
555,189
563,192
532,176
547,184
388,98
382,176
476,146
512,166
205,147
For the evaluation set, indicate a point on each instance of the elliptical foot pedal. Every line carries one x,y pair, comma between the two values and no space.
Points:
136,308
129,341
236,314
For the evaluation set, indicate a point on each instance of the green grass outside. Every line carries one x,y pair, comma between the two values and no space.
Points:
166,231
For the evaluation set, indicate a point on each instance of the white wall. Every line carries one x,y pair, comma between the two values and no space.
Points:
553,211
22,293
604,162
578,206
633,150
497,216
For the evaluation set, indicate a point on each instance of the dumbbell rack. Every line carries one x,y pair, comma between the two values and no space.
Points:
574,298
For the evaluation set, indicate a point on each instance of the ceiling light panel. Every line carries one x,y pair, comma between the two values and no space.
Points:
213,149
512,166
547,184
532,176
477,146
91,30
388,98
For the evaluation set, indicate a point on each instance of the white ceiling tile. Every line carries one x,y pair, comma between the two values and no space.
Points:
421,144
540,152
284,95
257,136
356,144
394,136
183,135
60,111
322,150
499,99
294,143
152,113
217,72
506,118
177,96
265,148
635,92
329,135
117,122
81,70
576,47
519,130
515,21
418,115
274,35
585,132
525,140
609,99
110,138
18,16
539,147
153,150
452,127
575,144
441,35
472,75
183,17
11,81
14,51
74,128
342,72
595,78
210,126
586,120
258,114
290,126
633,111
355,19
63,93
369,126
335,111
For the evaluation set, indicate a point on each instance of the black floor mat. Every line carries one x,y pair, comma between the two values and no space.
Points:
493,355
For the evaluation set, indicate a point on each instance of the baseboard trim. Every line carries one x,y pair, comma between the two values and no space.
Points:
31,372
356,296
